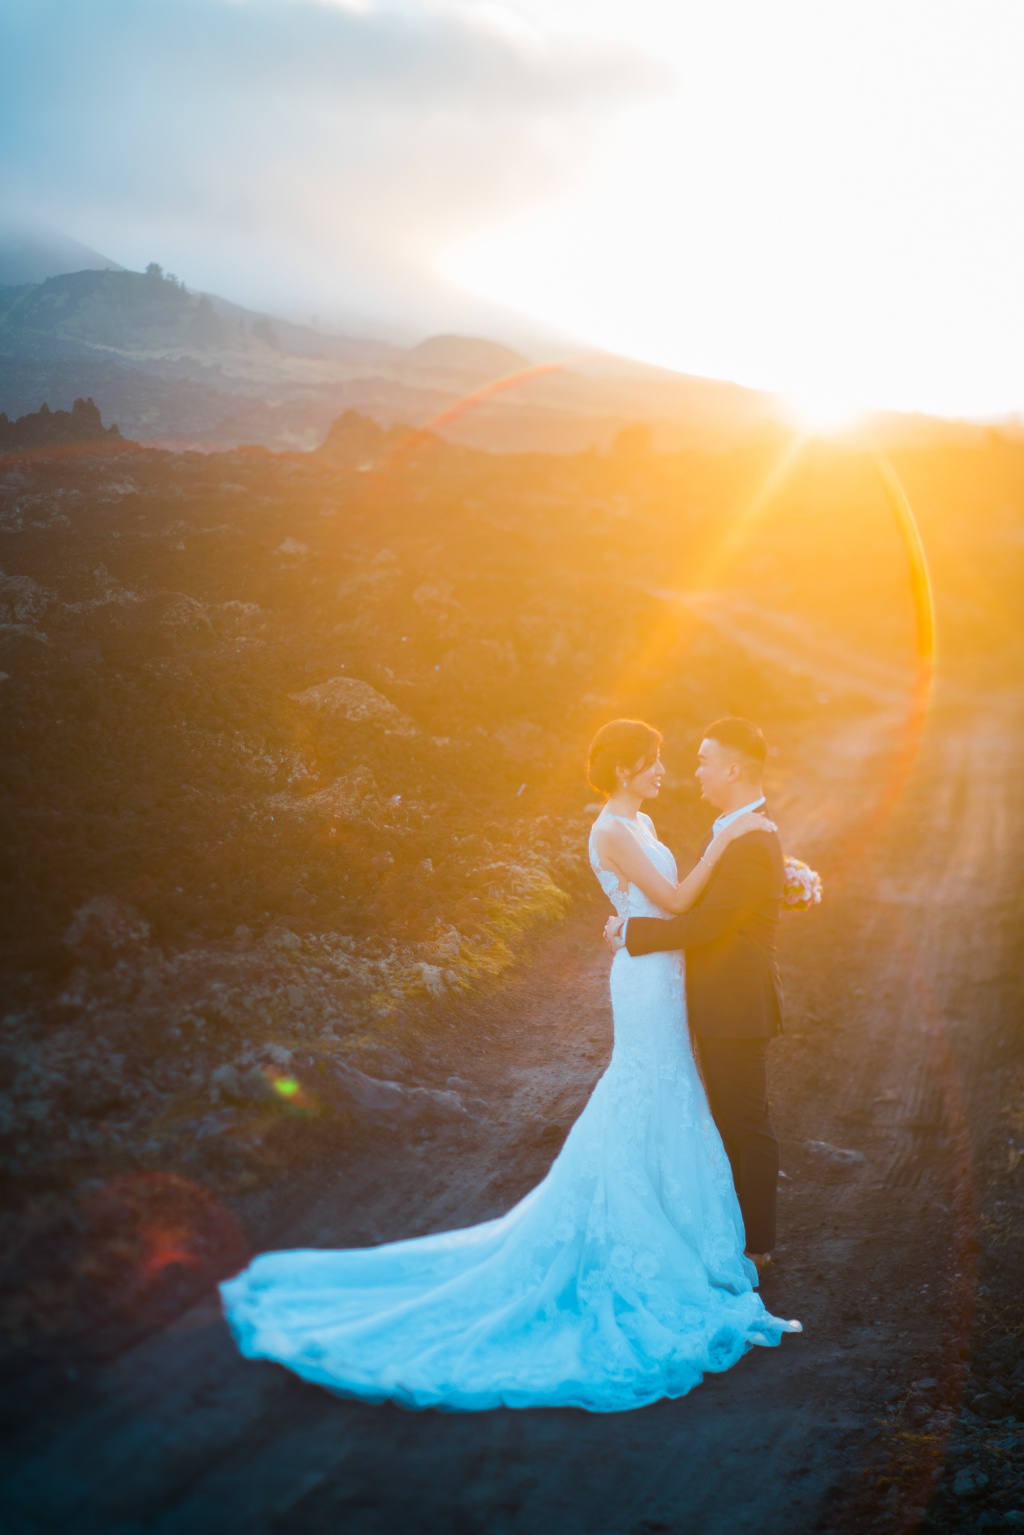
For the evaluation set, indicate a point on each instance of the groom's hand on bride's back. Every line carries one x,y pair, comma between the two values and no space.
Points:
613,933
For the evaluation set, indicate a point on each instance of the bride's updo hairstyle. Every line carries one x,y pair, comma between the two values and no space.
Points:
620,744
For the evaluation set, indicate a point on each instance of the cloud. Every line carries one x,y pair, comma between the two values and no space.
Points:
297,144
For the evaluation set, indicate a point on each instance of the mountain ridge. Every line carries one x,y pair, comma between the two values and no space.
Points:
173,366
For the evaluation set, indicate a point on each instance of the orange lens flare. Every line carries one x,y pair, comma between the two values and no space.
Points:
685,598
142,1229
860,836
488,392
666,636
464,406
166,1247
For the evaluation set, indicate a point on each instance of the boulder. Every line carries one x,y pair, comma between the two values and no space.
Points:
969,1481
240,1084
105,929
348,1091
347,698
185,621
433,978
363,443
345,799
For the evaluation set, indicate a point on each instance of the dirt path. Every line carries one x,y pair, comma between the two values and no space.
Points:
896,992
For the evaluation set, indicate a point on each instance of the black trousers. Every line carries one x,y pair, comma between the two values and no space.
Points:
735,1075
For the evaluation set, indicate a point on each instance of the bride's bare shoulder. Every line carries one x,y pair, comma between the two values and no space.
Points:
610,831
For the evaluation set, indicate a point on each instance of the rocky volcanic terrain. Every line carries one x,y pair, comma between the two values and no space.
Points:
291,786
293,756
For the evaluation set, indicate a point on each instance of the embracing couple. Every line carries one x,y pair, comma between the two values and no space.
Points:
632,1269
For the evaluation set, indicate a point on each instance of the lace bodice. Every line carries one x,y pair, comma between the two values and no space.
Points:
632,902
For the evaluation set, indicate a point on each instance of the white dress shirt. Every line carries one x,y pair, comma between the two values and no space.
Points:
734,815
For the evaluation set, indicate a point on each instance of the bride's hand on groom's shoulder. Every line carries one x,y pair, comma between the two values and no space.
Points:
613,933
751,820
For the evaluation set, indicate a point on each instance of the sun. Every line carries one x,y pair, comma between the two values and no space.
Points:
824,413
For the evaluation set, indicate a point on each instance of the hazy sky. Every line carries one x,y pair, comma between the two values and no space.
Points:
808,195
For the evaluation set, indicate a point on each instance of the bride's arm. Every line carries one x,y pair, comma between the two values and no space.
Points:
620,851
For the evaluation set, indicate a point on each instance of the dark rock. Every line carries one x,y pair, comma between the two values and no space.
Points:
104,929
358,440
101,1093
46,428
241,1084
969,1482
350,1091
209,1125
276,1055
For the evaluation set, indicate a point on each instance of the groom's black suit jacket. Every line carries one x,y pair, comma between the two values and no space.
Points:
732,975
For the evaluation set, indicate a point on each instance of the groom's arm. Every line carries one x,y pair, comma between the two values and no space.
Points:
743,881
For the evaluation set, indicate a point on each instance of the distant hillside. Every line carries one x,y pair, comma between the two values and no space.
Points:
33,255
173,365
467,355
132,312
190,369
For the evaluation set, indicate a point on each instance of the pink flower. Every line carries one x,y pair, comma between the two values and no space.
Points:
802,887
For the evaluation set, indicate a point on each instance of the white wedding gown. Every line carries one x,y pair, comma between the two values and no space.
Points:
620,1279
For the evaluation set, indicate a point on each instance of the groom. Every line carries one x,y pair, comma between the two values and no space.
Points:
732,978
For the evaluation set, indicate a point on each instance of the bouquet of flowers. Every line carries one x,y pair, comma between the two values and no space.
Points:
802,888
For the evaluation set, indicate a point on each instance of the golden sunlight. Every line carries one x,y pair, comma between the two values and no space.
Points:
820,208
823,414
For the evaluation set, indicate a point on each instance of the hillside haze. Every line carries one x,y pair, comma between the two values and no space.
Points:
30,255
173,366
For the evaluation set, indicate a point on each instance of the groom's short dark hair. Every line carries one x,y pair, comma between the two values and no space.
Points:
740,736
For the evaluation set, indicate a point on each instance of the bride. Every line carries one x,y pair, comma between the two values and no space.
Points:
621,1278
